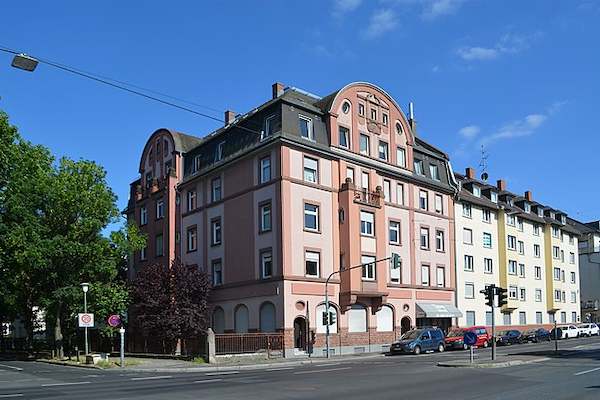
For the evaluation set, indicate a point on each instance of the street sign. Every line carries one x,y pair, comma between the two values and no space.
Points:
114,320
86,320
470,338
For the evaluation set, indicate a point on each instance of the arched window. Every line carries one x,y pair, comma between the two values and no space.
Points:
218,320
241,319
267,317
320,314
357,319
385,319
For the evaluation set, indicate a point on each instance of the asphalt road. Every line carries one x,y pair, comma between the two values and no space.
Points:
572,376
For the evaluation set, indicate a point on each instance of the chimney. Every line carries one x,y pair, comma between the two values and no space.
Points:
528,195
470,172
229,117
501,184
277,89
411,118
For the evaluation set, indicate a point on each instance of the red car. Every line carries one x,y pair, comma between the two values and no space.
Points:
454,339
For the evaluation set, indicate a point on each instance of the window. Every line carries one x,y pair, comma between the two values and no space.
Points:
160,209
386,190
487,215
537,251
311,217
512,242
573,279
368,268
159,245
272,125
311,170
572,258
521,247
265,217
143,255
399,129
488,318
562,256
192,239
400,194
265,169
373,114
555,252
538,317
384,118
439,240
512,267
488,267
468,263
522,294
266,264
537,271
571,240
551,318
306,128
367,220
510,220
217,273
476,191
219,151
361,109
424,238
364,145
538,295
394,232
439,207
423,200
527,208
385,319
522,318
401,157
425,275
562,275
507,318
467,236
536,229
364,177
466,210
396,273
573,297
344,134
357,319
520,224
215,189
346,107
573,316
149,179
350,173
434,172
419,167
469,290
215,232
494,197
556,295
470,318
383,151
191,200
512,292
555,232
487,240
563,317
143,216
312,261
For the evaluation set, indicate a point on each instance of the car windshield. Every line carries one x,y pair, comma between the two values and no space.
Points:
411,334
456,332
530,332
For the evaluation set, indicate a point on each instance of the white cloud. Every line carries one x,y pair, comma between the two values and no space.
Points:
382,21
509,43
469,131
437,8
344,6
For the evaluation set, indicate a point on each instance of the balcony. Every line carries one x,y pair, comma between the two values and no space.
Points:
367,198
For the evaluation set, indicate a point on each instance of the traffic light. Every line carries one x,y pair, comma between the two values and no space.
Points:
489,293
331,320
502,296
325,318
395,261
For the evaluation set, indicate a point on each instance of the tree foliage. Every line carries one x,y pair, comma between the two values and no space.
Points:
171,303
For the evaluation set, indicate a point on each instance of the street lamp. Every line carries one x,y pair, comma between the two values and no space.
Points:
24,62
85,287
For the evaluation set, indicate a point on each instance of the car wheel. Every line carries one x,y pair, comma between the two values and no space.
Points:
441,348
417,350
566,335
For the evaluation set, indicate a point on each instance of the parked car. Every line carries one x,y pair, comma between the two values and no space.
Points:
454,339
588,329
508,337
536,335
565,332
419,340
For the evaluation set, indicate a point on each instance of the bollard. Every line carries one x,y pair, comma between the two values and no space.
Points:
122,332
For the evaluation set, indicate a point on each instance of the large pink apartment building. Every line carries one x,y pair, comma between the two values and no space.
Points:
300,187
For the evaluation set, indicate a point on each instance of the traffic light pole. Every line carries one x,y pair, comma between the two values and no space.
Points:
327,299
493,333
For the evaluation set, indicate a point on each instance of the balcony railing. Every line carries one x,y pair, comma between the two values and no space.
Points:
368,198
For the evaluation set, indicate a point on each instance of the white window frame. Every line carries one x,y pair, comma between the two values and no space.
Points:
486,215
216,190
309,127
265,258
425,273
424,200
488,266
469,263
314,213
439,240
538,295
160,208
434,171
265,210
313,257
386,150
400,194
192,239
424,234
367,141
310,169
394,228
265,165
367,223
345,133
143,215
487,235
467,236
439,203
401,157
467,210
512,267
369,270
216,235
469,290
440,277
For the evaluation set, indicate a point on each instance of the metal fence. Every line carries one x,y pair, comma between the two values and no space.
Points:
240,343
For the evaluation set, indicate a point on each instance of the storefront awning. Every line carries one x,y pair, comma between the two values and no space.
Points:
437,310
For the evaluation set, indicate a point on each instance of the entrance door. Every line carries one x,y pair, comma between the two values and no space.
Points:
404,325
300,333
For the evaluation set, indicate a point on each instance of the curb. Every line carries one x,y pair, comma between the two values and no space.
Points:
66,364
491,365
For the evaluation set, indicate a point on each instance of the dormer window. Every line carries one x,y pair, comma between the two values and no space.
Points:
419,167
494,197
563,219
197,163
552,215
527,207
219,151
540,212
434,171
509,201
306,127
476,191
272,125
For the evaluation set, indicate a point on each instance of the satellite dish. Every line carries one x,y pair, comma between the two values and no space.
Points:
484,176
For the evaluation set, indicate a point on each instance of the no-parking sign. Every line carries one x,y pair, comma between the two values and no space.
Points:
86,320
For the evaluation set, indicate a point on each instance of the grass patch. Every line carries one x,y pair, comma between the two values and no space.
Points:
198,360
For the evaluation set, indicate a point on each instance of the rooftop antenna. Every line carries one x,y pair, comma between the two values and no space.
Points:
411,110
483,164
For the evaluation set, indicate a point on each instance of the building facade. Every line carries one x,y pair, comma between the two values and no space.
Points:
299,190
519,244
589,268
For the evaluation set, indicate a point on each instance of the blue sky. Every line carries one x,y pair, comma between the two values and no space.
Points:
520,77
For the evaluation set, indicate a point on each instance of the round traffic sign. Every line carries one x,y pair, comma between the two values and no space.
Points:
470,338
86,318
114,320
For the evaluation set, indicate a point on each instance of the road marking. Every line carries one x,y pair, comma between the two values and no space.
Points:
208,380
328,365
66,383
11,367
222,373
280,369
320,370
148,378
587,371
3,396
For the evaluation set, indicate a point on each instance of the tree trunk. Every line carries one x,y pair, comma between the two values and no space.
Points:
58,337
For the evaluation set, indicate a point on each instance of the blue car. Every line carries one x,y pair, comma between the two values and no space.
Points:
419,340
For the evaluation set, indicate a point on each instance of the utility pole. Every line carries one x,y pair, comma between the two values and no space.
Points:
490,292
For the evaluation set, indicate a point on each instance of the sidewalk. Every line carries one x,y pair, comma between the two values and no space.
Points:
501,361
